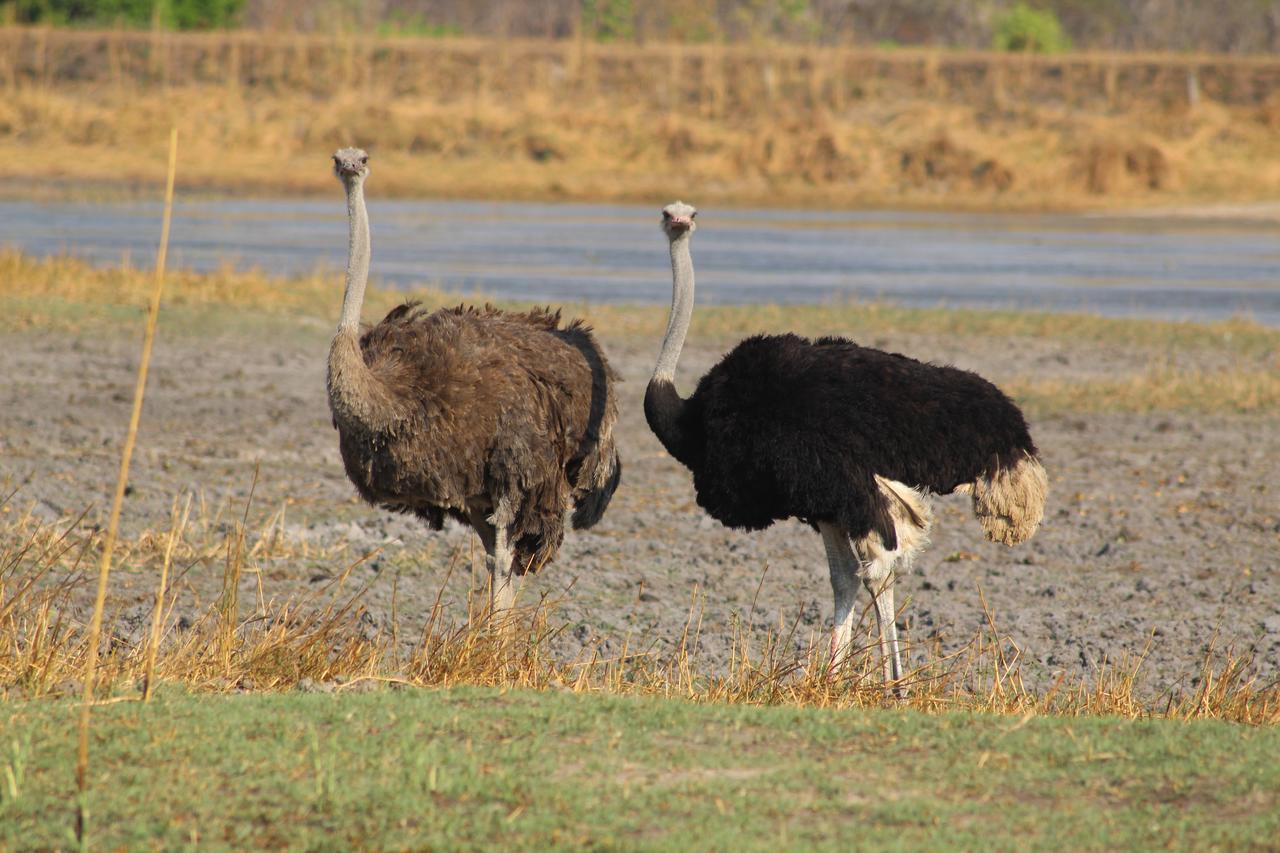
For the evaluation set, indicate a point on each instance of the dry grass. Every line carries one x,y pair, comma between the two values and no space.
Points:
1247,389
62,291
766,125
258,642
320,639
872,320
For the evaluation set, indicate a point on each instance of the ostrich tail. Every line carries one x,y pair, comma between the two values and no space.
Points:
1009,503
589,509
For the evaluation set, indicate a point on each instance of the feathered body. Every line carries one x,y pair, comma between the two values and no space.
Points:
494,411
849,439
784,427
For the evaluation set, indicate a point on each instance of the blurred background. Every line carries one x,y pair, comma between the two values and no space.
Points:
1064,105
1232,26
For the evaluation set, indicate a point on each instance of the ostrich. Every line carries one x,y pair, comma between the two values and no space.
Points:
848,439
498,420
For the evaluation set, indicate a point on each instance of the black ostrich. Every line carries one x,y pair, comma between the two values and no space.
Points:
845,438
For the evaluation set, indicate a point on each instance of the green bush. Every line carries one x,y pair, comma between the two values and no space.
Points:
403,24
170,14
609,20
1023,28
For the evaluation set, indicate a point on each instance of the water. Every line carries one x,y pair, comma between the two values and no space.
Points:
1165,268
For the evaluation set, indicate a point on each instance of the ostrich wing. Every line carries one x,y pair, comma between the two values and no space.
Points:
511,407
796,429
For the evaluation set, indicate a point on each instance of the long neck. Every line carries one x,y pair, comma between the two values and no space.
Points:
357,398
681,310
358,251
663,405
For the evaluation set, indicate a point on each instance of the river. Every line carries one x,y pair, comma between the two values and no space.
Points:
1160,267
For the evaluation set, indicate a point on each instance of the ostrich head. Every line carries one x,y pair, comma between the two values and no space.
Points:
350,164
677,219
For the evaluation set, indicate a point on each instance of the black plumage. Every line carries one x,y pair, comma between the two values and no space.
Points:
844,437
784,427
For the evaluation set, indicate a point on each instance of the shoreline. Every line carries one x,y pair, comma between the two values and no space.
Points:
1244,213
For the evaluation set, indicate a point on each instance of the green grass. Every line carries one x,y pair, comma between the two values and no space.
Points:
470,767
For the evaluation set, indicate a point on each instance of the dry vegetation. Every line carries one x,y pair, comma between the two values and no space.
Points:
321,642
570,119
260,642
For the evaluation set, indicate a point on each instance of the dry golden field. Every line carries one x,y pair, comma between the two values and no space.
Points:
577,120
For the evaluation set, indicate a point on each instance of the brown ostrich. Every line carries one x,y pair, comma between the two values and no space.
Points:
496,419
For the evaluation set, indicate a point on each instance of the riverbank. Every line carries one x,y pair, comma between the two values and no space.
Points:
916,155
763,126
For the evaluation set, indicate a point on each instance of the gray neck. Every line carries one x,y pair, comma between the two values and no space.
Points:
681,309
358,251
358,399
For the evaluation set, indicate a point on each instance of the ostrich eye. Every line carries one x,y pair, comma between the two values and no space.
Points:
364,159
666,214
693,215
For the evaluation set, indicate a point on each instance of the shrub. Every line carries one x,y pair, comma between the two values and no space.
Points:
1023,28
610,20
174,14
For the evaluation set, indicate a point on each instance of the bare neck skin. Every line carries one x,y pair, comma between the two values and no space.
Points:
357,398
358,251
663,406
681,309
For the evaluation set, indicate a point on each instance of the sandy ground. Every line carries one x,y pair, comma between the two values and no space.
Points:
1161,528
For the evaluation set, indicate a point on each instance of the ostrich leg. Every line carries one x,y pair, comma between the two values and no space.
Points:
877,577
844,588
498,559
502,582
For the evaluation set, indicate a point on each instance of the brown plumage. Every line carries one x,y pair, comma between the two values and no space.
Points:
503,421
497,407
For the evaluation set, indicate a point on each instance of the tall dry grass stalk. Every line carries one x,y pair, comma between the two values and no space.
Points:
177,524
117,502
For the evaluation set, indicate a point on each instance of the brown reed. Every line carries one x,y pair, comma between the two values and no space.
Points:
725,73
